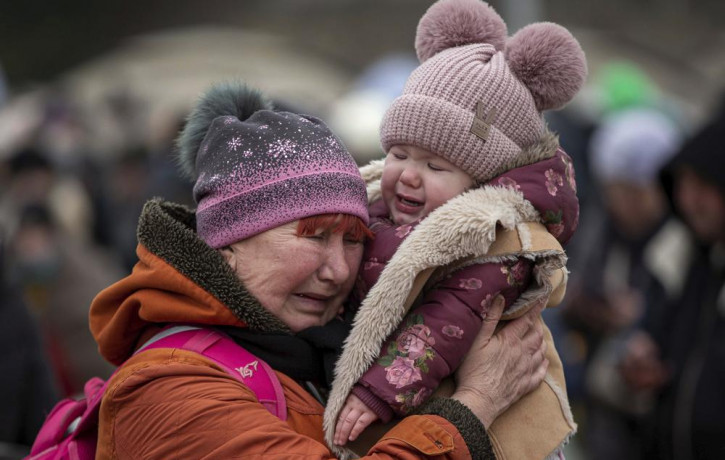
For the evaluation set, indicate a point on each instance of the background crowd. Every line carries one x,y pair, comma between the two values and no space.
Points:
82,149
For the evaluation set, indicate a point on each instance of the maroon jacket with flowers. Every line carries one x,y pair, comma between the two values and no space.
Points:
434,337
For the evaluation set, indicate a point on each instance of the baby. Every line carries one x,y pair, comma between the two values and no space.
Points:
473,201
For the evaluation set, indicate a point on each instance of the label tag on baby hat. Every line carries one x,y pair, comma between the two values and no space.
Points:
481,126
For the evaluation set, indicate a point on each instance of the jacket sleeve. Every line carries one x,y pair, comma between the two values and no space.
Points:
168,407
435,336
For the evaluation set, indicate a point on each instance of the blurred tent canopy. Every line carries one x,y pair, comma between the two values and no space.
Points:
155,79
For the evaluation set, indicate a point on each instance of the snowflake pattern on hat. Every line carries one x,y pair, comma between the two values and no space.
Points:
271,169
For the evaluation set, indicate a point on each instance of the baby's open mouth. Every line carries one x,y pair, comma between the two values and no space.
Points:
409,202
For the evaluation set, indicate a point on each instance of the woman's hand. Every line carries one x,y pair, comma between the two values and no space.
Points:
500,368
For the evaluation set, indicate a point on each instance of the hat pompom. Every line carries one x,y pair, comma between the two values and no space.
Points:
449,23
224,99
549,61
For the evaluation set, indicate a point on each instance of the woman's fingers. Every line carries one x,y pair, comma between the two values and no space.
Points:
526,324
539,366
493,316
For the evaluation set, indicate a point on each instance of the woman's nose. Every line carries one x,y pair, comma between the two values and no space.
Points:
335,265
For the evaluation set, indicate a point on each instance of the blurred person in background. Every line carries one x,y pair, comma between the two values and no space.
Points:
30,177
33,177
58,277
53,262
681,361
27,387
127,189
62,138
624,273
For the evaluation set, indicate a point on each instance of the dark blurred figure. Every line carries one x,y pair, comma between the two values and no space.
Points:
127,186
58,276
165,179
33,178
134,177
681,361
30,178
625,273
27,387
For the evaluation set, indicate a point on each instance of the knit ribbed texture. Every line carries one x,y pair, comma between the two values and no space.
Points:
467,424
438,106
375,404
270,169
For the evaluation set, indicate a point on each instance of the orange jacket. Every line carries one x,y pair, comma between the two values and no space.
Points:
173,404
166,403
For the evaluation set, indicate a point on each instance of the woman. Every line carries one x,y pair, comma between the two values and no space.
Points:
270,255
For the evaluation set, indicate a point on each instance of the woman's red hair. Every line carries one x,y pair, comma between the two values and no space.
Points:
346,224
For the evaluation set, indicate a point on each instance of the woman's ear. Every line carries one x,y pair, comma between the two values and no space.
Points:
228,253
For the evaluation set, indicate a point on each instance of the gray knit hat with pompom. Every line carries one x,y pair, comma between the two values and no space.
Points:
256,169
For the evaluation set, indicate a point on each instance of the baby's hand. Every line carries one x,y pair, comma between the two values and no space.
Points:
355,416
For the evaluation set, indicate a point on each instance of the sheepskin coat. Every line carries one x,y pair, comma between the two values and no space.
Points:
432,284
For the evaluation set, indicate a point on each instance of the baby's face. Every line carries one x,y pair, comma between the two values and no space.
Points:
416,181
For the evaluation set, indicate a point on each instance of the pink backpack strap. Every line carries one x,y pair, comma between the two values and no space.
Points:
227,354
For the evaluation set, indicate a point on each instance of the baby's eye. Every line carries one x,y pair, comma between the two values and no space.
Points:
435,167
399,156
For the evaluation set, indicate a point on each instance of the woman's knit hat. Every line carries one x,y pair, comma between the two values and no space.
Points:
477,97
256,168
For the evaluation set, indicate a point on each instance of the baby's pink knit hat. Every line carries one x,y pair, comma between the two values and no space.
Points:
477,97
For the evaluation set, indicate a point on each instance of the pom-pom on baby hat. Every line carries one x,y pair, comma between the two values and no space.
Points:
256,168
477,97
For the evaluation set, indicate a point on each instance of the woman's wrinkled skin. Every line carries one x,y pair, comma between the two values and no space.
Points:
303,280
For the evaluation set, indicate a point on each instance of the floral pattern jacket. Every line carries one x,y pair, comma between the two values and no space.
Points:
435,335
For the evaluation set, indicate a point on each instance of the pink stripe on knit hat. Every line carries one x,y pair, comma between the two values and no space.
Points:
231,189
246,214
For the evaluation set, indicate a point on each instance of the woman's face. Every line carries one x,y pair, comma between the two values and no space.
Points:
303,280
